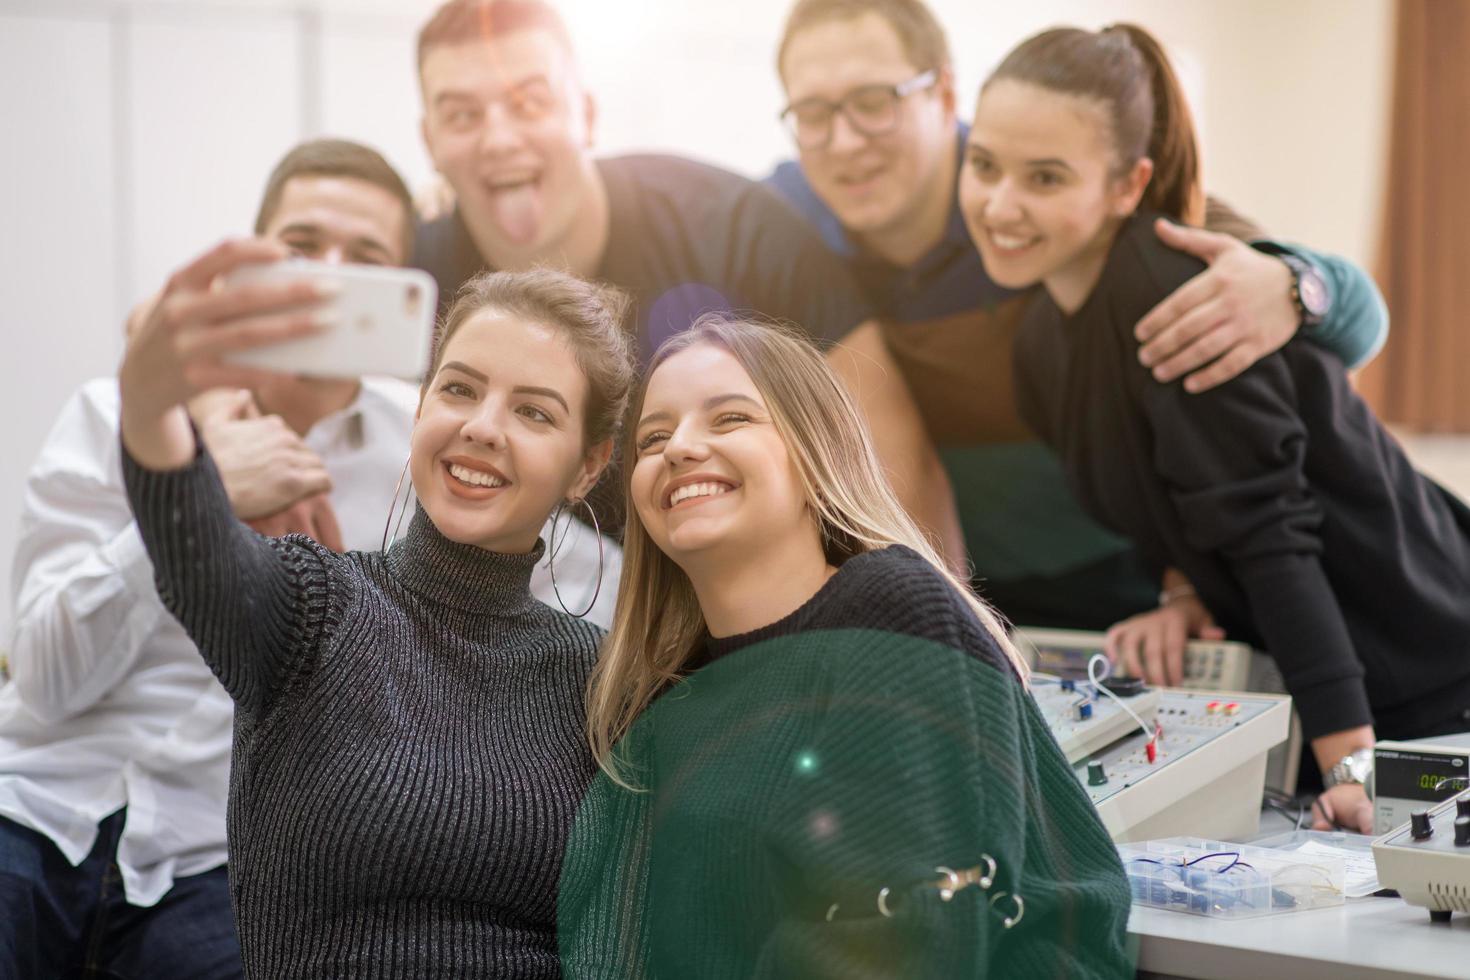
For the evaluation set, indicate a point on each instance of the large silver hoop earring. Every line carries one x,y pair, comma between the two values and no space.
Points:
553,547
402,477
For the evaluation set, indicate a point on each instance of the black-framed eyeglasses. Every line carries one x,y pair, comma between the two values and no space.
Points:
870,109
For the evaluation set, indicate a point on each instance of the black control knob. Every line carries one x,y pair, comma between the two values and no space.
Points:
1095,774
1125,686
1462,807
1462,831
1419,826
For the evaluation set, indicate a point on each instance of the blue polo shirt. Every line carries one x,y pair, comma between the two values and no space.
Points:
1036,555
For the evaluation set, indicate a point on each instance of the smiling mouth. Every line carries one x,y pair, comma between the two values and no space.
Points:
696,491
1010,244
475,478
860,180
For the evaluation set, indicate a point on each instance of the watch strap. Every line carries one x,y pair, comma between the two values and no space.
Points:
1298,265
1355,767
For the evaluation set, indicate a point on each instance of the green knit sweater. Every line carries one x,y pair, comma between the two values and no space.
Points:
860,743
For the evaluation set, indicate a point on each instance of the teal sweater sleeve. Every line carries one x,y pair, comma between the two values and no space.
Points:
1356,326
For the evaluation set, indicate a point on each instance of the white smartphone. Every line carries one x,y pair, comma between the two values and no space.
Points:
384,321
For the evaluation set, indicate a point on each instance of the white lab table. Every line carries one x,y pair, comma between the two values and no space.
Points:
1365,939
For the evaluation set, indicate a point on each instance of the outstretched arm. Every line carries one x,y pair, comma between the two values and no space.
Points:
1233,460
251,605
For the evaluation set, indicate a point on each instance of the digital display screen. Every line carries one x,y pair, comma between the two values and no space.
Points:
1406,775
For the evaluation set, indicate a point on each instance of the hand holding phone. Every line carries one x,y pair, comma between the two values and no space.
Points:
178,349
381,321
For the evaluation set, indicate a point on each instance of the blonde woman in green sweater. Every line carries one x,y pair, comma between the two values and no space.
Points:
820,758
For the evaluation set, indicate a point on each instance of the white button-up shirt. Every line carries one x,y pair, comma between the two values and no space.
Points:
109,703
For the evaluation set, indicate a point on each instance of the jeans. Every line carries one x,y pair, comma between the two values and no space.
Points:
59,922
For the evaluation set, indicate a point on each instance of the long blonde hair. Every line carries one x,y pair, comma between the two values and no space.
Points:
657,625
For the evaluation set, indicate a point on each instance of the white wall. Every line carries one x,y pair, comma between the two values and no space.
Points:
136,132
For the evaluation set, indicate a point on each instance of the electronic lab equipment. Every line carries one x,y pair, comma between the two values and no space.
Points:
1409,776
1161,762
1427,860
1209,665
1229,881
1084,723
1208,772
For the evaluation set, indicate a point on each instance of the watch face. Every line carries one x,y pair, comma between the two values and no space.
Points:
1313,292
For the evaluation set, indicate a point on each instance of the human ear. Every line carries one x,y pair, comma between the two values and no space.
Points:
945,88
1128,189
594,461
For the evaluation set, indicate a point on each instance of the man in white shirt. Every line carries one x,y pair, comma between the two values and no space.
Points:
114,736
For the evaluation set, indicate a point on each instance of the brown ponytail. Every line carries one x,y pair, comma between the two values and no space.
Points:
1125,68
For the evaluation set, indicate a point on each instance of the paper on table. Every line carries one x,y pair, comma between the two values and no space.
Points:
1361,873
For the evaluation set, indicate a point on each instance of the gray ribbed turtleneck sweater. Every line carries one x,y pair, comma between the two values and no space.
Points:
409,749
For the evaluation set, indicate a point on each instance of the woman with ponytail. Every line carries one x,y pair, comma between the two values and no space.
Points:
1294,514
819,756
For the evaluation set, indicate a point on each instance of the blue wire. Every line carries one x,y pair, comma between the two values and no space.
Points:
1203,857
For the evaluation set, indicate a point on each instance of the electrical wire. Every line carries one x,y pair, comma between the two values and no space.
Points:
1285,804
1097,685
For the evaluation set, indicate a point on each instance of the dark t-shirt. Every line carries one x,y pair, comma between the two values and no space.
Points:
685,238
1295,514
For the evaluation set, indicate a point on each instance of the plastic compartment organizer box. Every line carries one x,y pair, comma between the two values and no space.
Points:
1213,878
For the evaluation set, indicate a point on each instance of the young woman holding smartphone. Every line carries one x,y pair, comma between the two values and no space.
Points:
409,746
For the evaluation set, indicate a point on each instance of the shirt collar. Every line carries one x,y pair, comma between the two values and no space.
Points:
340,428
349,427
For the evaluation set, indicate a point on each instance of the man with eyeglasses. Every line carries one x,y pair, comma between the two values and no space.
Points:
872,112
509,125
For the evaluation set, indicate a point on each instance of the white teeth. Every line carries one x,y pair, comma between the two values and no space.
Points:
698,490
474,477
1009,241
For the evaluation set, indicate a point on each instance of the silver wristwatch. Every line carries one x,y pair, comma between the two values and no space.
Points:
1354,768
